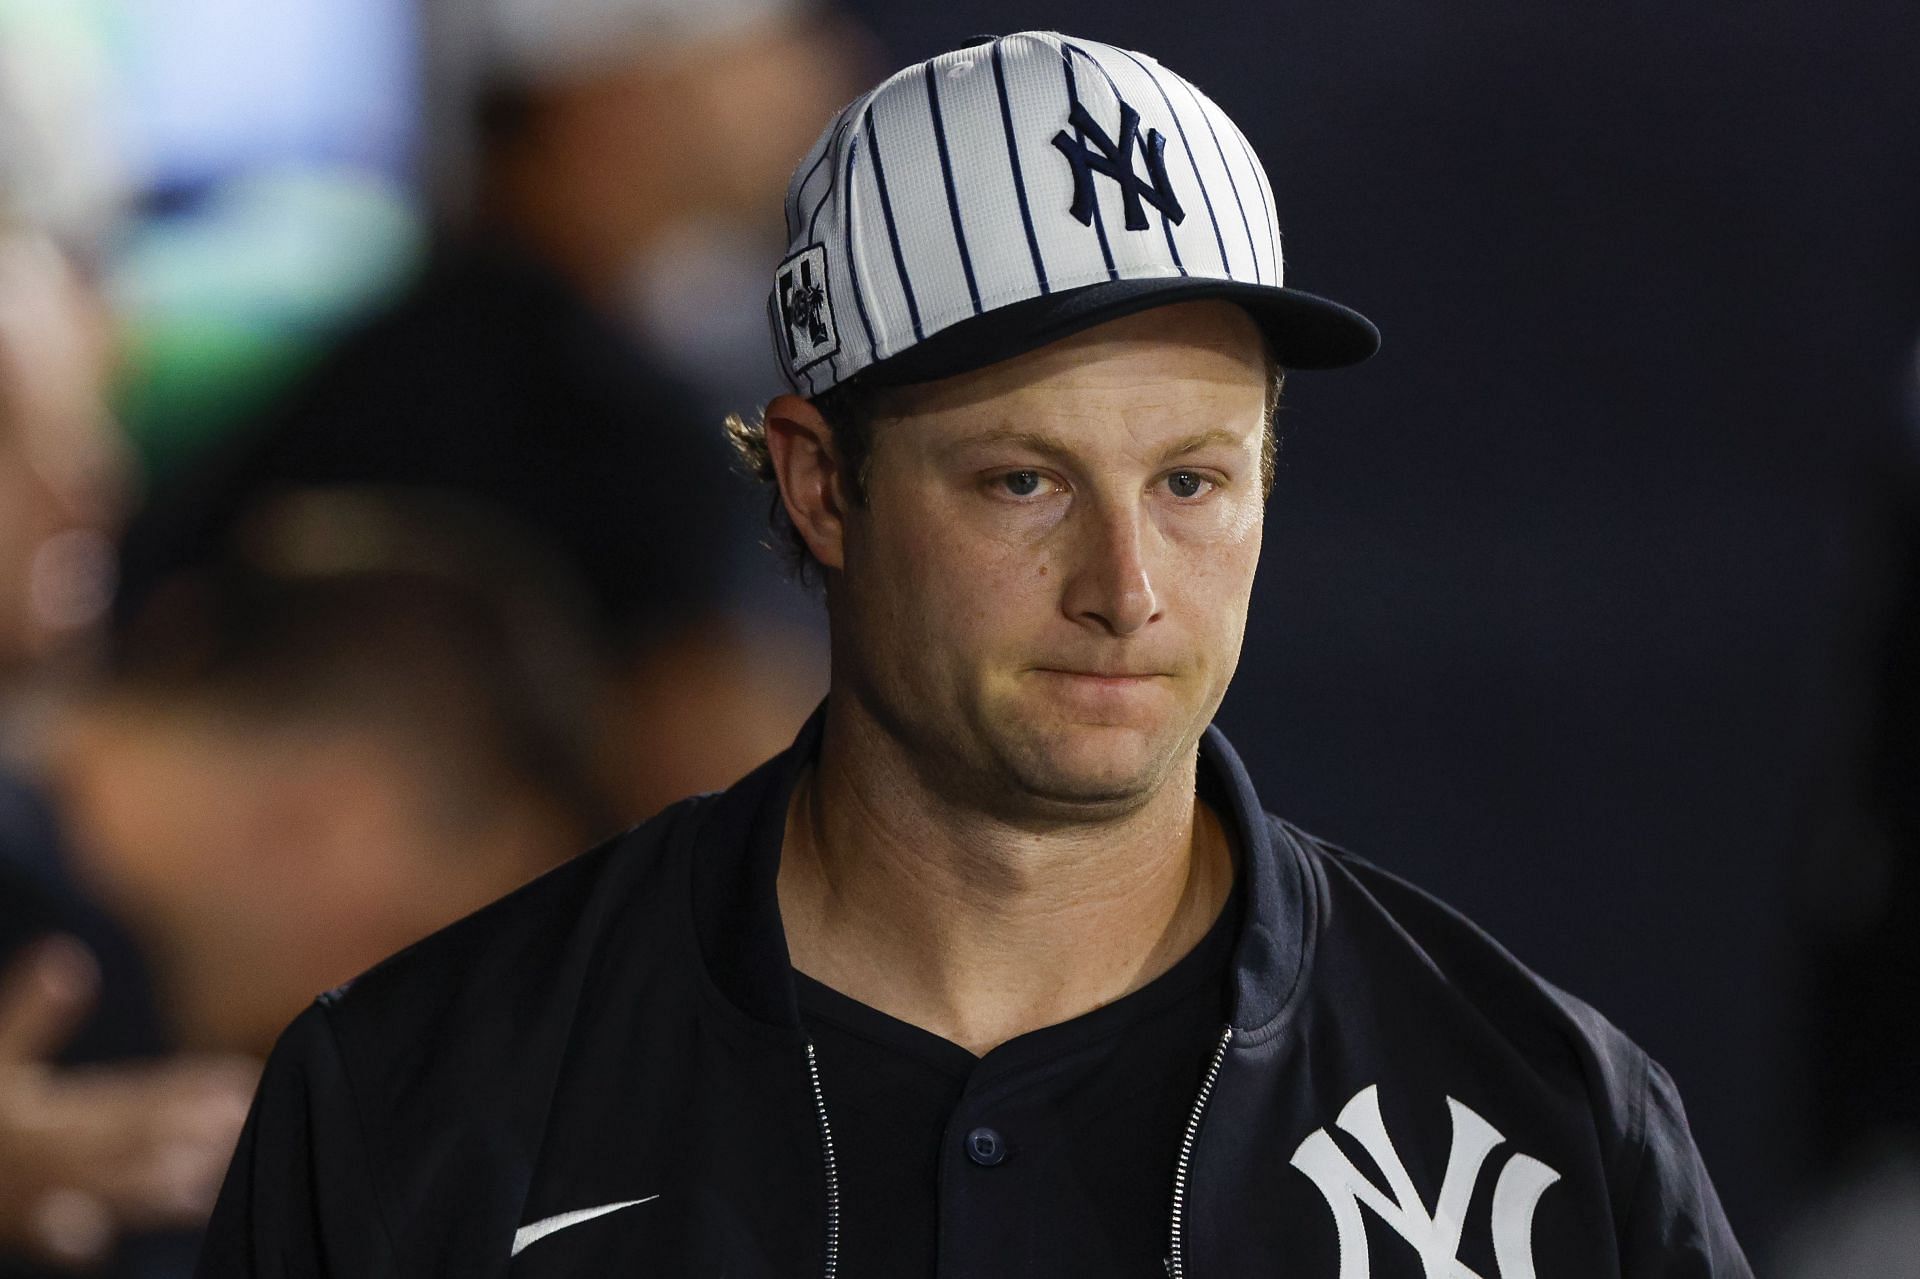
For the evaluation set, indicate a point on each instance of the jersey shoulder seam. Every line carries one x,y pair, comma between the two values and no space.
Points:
1637,1107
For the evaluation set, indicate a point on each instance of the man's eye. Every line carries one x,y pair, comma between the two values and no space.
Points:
1021,483
1185,484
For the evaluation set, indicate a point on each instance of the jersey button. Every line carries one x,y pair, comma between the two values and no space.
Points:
986,1147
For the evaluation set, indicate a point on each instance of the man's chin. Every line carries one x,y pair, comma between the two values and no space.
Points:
1090,769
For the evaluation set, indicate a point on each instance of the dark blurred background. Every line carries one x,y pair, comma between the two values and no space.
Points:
400,331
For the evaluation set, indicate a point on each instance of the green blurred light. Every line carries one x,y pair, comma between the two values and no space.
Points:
223,308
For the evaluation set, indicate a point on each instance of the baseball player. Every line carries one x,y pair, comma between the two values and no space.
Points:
1002,968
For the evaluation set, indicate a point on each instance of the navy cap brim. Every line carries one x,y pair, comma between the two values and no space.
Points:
1303,330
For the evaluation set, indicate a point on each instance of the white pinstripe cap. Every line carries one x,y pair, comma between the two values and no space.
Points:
1010,193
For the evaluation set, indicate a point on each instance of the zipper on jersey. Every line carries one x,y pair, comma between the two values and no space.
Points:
833,1172
1176,1261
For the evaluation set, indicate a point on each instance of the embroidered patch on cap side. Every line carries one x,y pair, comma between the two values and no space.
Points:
806,313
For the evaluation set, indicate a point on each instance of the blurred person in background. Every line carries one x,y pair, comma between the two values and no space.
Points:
512,369
374,715
88,1152
63,473
631,145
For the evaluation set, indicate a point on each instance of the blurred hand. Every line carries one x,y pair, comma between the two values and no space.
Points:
87,1153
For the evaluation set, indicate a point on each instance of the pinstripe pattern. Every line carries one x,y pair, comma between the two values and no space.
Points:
1181,129
1253,251
798,190
1266,201
893,230
1041,104
921,210
1013,163
814,220
946,176
852,260
940,195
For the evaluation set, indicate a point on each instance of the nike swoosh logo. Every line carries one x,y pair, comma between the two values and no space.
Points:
541,1229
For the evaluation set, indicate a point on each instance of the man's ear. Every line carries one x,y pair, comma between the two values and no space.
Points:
801,444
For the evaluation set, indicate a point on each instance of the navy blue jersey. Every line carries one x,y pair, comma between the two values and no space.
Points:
608,1072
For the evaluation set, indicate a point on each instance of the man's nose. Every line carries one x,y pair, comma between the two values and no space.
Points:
1112,587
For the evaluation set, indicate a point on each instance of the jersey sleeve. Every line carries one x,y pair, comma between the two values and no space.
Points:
1674,1226
299,1200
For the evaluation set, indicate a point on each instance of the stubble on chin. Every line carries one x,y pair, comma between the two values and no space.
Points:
1079,772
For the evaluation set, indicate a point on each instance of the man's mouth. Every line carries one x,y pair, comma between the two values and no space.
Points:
1117,679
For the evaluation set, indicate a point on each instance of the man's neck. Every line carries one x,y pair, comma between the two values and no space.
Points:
970,927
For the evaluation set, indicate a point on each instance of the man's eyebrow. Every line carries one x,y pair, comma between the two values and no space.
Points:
1199,440
1034,441
1050,446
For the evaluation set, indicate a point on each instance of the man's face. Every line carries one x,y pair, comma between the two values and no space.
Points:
1046,592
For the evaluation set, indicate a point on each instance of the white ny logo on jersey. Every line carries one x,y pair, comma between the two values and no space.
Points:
1434,1235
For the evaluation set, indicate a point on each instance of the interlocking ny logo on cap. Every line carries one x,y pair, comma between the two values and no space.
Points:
805,313
1115,159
